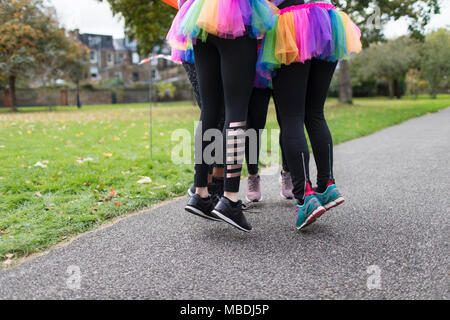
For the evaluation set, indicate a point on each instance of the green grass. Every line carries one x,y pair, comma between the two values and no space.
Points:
43,206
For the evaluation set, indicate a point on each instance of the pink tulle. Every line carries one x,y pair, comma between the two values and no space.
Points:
325,6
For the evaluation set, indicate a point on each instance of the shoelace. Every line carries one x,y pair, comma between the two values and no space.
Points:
253,184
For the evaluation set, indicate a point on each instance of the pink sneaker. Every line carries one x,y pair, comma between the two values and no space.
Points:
254,189
286,185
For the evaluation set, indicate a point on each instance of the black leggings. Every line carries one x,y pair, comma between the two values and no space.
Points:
257,116
226,71
193,79
300,91
192,75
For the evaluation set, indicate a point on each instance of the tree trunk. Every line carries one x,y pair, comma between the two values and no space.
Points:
12,90
345,90
397,89
391,89
78,95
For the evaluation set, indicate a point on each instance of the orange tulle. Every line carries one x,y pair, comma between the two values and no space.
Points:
353,34
207,17
286,50
172,3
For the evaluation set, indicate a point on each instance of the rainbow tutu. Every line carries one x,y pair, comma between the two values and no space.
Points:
306,31
227,19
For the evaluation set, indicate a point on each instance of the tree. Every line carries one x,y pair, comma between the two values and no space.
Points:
26,28
388,62
76,64
370,15
32,43
145,20
435,64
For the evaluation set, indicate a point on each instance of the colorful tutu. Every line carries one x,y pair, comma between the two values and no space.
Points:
303,32
228,19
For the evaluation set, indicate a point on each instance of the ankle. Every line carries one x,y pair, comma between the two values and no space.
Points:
232,196
202,192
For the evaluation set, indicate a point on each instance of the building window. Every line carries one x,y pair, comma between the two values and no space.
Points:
135,58
118,75
135,76
110,58
94,72
120,57
93,56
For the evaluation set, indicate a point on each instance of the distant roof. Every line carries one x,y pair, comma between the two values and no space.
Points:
97,41
125,44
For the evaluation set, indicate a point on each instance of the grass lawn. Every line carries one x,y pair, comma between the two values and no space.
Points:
68,171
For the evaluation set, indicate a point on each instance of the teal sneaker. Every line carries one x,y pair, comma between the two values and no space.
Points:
331,197
310,210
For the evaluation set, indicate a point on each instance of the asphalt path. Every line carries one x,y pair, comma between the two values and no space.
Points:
390,240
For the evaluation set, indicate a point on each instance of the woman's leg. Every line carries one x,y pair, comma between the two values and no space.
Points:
256,121
192,75
238,60
321,141
208,68
290,85
284,166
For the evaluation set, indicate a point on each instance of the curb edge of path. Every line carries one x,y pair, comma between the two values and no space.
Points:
105,225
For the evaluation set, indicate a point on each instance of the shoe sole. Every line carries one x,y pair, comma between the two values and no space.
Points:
199,213
312,217
335,203
284,197
261,199
229,221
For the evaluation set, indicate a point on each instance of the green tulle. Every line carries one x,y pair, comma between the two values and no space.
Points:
189,23
339,37
268,54
263,19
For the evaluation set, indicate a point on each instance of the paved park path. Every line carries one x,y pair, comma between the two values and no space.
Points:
395,224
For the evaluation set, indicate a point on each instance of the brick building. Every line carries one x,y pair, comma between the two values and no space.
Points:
119,59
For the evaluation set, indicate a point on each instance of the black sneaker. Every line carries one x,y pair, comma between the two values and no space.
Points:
201,207
232,213
191,190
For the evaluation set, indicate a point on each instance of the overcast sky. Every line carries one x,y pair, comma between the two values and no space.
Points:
91,16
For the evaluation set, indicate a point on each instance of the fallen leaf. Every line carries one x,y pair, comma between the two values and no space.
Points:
4,231
64,237
118,204
83,160
145,180
9,255
40,164
113,193
38,194
107,155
